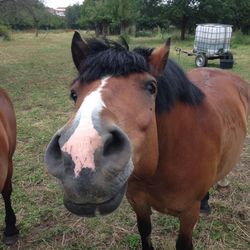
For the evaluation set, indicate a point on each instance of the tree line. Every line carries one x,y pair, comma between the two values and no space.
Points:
128,16
27,14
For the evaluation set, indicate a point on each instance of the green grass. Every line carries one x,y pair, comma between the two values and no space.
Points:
37,73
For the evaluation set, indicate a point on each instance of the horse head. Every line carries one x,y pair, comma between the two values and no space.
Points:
113,132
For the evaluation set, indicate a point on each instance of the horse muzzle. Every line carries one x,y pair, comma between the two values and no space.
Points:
95,209
97,189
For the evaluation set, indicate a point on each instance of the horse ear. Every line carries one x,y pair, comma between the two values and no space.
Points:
158,58
79,49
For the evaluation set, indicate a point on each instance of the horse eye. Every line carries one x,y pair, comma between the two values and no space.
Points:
151,87
73,95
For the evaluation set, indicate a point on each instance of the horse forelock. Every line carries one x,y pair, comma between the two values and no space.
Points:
105,57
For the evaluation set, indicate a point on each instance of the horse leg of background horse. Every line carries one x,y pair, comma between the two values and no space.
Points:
204,207
10,232
188,219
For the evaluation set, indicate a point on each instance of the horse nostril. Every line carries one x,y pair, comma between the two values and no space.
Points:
53,155
114,143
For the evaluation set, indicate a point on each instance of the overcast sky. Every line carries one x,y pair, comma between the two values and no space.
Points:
61,3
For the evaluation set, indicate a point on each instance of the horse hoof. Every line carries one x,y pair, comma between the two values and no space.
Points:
223,183
10,240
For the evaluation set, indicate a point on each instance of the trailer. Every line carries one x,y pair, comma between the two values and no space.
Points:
212,41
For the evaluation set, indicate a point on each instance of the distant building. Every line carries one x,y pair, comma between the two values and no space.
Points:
60,11
51,10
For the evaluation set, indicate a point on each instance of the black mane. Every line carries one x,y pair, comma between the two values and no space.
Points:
106,57
174,85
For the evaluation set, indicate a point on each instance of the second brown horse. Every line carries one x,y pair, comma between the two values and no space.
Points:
7,148
141,123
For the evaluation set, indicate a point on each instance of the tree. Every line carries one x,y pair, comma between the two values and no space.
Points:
72,16
101,14
186,13
96,13
152,14
215,11
241,14
125,13
182,13
35,8
23,14
226,12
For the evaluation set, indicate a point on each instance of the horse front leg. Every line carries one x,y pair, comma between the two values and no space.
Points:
188,219
143,213
10,231
145,228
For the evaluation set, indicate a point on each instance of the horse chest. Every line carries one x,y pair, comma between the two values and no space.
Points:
159,196
166,203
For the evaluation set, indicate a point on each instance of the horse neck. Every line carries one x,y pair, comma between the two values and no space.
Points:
148,154
173,125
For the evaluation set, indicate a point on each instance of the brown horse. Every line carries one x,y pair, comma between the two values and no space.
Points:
8,145
143,126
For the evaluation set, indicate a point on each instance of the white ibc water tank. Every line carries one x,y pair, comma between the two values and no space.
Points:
212,39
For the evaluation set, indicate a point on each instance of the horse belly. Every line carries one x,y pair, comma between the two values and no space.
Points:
231,150
168,198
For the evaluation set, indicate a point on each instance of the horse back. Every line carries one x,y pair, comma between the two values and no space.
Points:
7,135
223,88
227,97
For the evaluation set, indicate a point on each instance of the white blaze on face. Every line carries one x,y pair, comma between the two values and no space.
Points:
85,139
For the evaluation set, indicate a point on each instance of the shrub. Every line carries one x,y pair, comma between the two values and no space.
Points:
144,33
5,32
240,39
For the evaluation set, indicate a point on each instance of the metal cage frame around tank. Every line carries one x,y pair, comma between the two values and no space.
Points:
212,41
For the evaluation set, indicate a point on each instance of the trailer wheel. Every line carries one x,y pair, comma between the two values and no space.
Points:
201,60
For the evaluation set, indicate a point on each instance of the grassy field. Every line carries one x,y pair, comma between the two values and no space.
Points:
37,72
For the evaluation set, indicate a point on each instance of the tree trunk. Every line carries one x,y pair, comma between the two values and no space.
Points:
183,27
98,29
105,26
124,28
132,30
36,27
